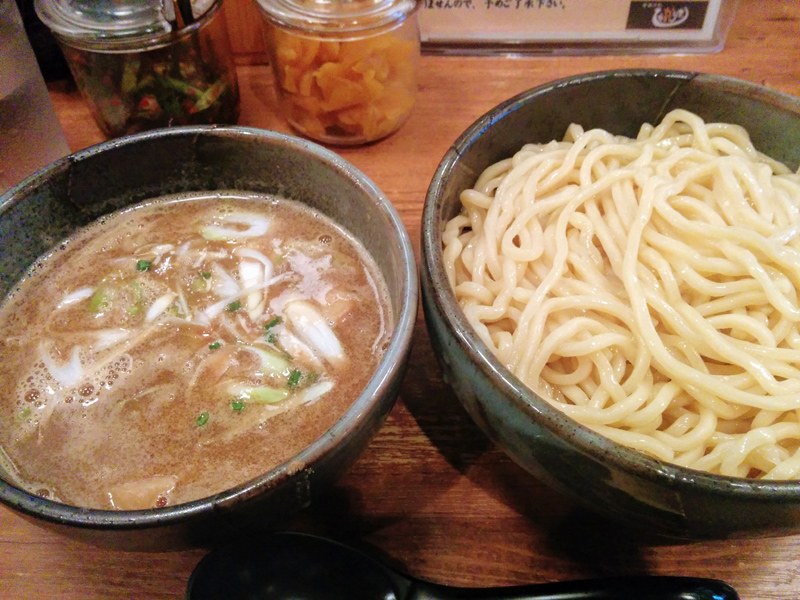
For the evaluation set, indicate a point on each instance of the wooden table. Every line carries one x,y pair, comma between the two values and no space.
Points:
431,492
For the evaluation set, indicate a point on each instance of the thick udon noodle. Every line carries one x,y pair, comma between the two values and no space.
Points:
647,288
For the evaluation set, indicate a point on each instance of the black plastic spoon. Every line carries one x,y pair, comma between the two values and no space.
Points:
296,566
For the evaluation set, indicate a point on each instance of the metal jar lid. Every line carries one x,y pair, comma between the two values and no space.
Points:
118,25
337,17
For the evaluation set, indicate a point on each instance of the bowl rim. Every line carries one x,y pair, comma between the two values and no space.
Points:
350,422
512,389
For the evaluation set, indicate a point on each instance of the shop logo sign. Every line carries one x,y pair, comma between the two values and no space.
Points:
667,15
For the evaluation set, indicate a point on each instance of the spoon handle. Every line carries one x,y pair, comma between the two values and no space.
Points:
622,588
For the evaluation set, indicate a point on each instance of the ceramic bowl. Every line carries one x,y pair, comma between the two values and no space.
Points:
600,474
69,194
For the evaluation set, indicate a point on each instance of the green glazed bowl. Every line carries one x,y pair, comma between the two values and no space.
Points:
73,192
608,478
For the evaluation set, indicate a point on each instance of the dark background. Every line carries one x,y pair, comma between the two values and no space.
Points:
48,55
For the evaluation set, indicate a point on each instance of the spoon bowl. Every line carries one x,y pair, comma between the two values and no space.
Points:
283,566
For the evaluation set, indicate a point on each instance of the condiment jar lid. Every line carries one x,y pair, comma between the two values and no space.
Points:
114,24
337,16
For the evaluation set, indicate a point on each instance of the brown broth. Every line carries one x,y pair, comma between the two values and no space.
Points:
159,416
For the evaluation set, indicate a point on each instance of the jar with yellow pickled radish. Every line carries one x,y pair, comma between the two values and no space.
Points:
345,70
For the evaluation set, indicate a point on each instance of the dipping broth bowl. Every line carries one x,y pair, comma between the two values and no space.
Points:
71,193
604,476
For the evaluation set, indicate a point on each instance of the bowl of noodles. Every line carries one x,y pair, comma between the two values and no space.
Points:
202,328
610,266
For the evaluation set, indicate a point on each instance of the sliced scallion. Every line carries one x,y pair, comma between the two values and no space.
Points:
143,265
214,346
67,374
271,363
138,295
314,392
312,328
198,284
258,395
159,306
76,296
24,414
294,378
254,226
202,419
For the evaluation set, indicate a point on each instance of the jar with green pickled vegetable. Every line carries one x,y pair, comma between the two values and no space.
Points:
149,63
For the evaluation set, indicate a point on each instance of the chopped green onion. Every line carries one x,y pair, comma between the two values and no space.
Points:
235,305
202,419
143,265
294,378
99,301
237,406
214,346
271,336
205,275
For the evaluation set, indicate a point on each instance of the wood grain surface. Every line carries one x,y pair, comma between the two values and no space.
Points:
431,494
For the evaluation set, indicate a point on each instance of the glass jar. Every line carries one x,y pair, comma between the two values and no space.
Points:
30,133
143,64
345,70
